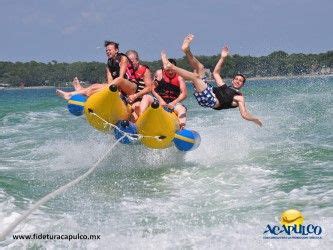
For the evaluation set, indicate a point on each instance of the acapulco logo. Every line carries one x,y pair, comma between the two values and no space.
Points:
292,227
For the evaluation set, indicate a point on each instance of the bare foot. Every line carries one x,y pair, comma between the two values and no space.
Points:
182,126
76,84
63,94
187,41
165,61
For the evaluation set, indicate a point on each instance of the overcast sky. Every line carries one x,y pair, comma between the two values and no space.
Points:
75,30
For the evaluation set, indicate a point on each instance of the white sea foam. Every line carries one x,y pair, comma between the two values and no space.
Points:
222,195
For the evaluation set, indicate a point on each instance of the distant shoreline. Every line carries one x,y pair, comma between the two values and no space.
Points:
284,77
30,87
210,80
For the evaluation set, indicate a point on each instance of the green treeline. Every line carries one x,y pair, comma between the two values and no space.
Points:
278,63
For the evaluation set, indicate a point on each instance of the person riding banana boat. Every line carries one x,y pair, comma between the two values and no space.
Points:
169,90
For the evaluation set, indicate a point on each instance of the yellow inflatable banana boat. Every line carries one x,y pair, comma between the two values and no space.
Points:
155,121
105,107
156,128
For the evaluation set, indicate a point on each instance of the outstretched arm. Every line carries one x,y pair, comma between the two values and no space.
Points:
158,97
243,111
148,86
123,66
217,70
108,76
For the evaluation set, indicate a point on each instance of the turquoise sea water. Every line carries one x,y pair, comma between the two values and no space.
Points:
220,196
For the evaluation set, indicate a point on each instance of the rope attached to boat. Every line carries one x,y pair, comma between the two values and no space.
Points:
55,193
63,188
129,135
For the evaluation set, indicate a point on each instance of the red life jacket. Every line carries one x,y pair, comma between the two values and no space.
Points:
139,76
140,72
168,88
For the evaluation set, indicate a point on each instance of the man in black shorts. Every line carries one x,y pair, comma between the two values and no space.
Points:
220,97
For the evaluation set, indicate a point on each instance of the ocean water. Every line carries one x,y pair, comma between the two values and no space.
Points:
220,196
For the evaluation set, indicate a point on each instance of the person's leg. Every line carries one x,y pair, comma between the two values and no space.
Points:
136,110
83,91
145,102
93,89
180,110
64,94
198,83
193,61
76,84
125,85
